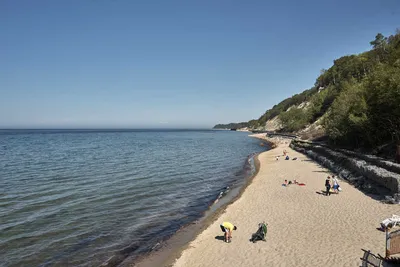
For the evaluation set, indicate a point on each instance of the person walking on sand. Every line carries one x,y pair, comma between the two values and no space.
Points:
335,184
328,186
227,228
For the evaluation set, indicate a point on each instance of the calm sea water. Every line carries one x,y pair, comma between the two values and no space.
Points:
77,198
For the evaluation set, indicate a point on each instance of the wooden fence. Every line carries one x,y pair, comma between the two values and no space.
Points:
392,243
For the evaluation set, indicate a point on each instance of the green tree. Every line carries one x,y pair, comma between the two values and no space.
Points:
347,117
379,41
315,109
382,90
360,102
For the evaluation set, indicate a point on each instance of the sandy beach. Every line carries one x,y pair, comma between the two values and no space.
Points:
305,227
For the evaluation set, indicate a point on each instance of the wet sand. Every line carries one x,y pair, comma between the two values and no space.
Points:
305,227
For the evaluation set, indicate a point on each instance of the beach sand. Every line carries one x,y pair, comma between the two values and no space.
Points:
305,228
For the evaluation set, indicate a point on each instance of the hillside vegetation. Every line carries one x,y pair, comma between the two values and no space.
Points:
232,125
356,101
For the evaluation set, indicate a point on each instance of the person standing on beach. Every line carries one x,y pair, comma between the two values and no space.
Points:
227,228
328,186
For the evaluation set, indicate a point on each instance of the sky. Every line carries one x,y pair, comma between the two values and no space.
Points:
139,64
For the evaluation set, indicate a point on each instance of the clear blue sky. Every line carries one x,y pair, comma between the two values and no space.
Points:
117,63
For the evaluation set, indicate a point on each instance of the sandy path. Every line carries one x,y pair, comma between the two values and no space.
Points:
304,228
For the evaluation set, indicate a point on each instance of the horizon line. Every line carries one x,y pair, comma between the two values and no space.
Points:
101,128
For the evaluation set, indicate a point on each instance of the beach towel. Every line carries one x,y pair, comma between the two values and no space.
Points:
301,184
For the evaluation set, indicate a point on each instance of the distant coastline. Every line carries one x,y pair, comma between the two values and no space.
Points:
100,130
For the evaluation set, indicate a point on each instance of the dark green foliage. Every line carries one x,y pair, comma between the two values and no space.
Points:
253,124
231,125
366,112
382,92
347,116
358,98
359,95
285,104
319,103
294,119
379,41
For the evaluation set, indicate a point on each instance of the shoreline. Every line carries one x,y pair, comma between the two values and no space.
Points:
172,248
347,217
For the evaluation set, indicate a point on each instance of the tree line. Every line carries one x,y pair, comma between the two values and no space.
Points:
357,100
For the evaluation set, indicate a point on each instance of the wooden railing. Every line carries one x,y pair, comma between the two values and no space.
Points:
392,243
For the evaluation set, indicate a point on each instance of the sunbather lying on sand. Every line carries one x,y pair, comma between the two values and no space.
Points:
296,182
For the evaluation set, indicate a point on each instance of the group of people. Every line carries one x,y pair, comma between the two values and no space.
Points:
287,183
285,155
329,183
332,183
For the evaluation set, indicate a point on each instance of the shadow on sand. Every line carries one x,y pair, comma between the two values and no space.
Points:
323,171
220,237
370,259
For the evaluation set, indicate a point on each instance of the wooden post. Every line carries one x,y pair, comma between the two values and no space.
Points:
386,244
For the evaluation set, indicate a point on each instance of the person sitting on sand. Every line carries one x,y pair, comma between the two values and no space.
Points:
227,228
328,186
286,183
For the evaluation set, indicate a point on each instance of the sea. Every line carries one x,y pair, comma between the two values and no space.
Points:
83,197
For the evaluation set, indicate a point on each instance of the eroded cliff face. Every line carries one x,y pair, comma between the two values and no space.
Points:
371,174
273,125
311,131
